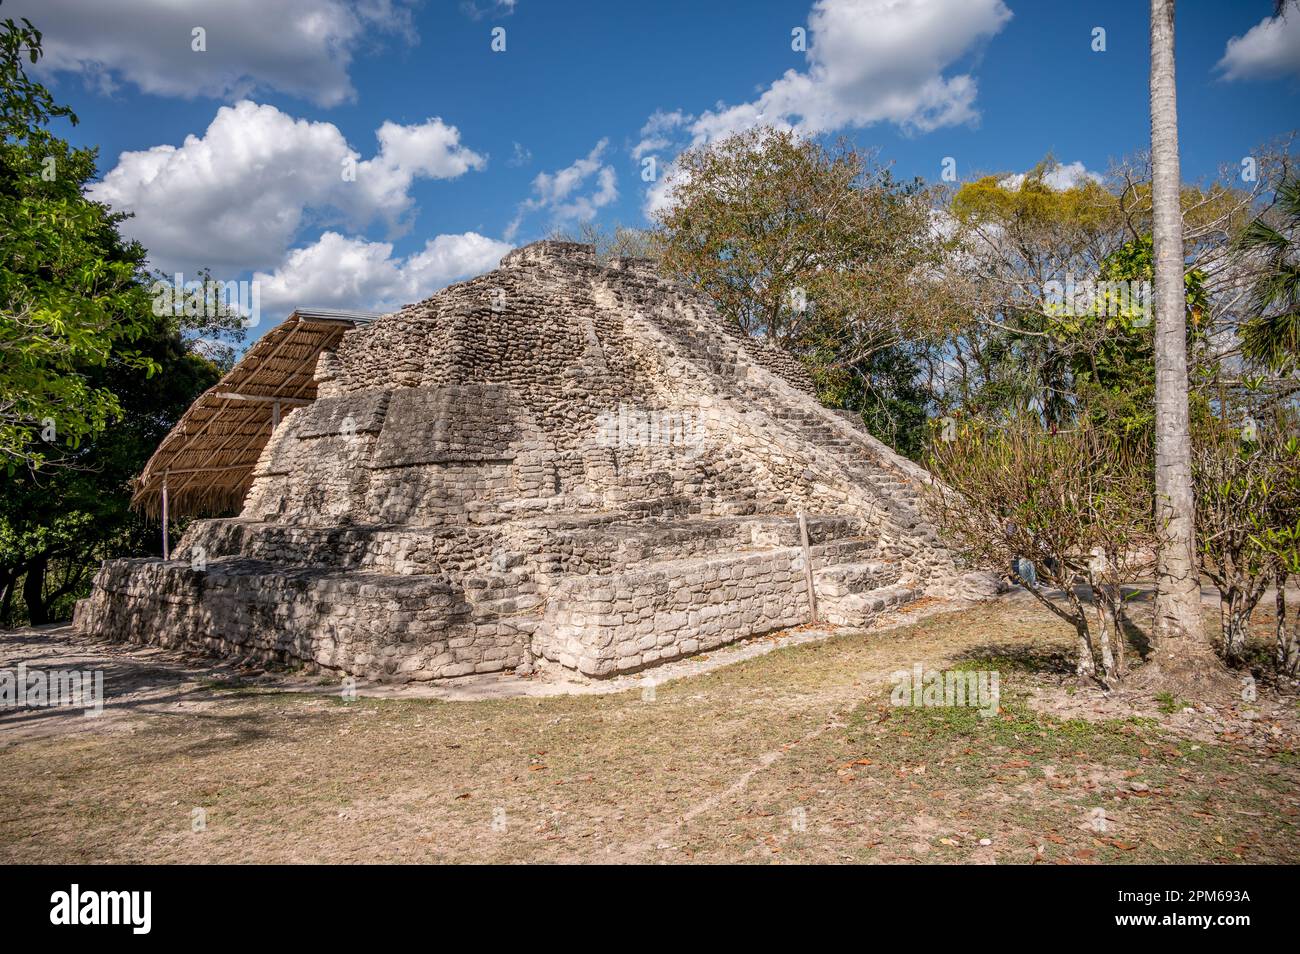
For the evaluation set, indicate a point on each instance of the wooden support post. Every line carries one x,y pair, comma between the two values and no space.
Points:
275,416
166,542
808,567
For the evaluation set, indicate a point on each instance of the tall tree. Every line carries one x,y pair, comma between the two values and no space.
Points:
80,412
783,232
1179,649
820,251
58,523
1021,245
72,294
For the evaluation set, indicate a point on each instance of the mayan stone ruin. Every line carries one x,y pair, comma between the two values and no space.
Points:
558,463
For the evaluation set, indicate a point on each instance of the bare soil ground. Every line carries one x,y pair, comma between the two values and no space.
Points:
790,753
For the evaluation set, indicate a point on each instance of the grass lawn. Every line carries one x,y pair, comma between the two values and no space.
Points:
793,756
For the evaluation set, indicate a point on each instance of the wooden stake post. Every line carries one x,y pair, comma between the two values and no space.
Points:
166,543
808,567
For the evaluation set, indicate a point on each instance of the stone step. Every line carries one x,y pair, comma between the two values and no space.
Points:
853,550
634,544
839,580
506,605
858,609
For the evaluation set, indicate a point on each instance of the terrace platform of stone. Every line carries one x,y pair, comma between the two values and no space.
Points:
560,460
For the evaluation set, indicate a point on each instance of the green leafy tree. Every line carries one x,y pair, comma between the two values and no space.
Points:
58,523
1020,243
1271,334
819,251
72,296
886,388
82,405
1109,341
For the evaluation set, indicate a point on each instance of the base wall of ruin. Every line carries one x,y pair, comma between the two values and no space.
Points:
376,627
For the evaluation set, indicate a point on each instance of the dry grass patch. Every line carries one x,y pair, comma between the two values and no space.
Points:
792,756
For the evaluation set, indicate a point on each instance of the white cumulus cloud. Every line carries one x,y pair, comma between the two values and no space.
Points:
873,61
572,194
347,272
1271,48
868,61
1059,177
300,47
657,132
237,196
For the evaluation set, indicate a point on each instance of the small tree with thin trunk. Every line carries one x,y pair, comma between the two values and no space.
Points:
1065,511
1247,479
1283,543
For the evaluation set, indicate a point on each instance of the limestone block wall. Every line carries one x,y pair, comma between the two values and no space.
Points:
424,455
411,628
603,625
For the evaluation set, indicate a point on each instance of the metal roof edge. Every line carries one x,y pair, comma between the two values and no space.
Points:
337,314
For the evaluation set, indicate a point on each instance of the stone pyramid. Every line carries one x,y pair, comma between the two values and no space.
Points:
560,460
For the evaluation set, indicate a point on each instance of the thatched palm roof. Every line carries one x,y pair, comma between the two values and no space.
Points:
207,460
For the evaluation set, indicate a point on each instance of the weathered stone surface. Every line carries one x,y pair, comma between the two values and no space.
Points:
361,413
557,460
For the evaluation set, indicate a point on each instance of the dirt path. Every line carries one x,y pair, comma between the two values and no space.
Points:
792,753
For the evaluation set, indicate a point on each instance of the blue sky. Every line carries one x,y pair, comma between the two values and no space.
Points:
554,129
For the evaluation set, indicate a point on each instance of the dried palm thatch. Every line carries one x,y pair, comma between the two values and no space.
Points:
206,462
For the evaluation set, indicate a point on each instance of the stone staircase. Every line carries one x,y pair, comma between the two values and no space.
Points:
731,370
850,594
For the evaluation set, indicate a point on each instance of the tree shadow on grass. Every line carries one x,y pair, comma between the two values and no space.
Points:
1137,639
1015,657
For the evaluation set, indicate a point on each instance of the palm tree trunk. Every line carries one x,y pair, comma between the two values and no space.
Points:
1179,649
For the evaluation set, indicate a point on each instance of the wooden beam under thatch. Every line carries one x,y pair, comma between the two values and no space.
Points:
207,459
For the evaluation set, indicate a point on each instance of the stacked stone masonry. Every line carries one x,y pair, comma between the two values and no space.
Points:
558,460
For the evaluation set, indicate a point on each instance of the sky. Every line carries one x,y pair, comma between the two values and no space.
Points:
365,154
